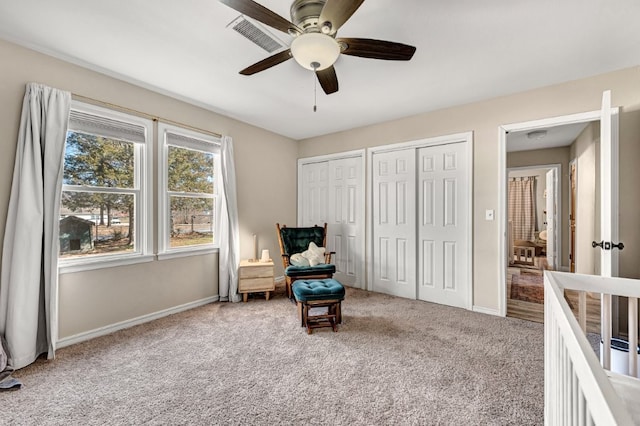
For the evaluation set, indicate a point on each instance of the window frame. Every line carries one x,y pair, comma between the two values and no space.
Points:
143,196
205,143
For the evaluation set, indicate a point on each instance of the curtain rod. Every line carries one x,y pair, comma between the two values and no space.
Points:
141,114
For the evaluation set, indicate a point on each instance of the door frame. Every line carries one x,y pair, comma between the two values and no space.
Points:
358,153
503,130
467,139
573,198
557,192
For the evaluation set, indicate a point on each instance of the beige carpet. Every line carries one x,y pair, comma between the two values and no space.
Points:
394,361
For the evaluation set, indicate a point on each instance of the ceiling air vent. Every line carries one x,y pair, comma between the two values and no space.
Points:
256,33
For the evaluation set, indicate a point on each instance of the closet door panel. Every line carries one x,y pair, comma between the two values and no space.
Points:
315,194
443,232
345,214
394,223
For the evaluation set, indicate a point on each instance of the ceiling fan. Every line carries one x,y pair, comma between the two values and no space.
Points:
314,24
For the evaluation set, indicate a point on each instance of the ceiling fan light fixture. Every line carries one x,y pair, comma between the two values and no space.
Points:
315,49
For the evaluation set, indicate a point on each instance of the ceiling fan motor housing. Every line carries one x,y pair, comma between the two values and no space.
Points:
305,14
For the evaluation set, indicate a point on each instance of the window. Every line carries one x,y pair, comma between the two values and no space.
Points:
188,180
104,209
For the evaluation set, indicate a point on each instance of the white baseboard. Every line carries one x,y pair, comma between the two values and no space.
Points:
483,310
279,279
102,331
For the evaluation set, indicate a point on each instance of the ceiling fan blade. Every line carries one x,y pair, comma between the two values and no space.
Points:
269,62
338,12
262,14
376,49
328,80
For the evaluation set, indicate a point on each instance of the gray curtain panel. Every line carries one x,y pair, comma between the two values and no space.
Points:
229,233
29,281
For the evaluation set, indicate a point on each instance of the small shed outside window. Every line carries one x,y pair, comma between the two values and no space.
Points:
76,234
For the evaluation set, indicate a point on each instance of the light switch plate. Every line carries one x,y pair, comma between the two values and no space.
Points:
488,215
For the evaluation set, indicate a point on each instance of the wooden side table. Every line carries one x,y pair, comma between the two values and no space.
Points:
254,277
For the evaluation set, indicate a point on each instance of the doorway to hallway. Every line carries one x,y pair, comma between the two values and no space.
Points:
571,140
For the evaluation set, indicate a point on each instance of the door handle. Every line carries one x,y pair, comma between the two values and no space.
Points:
606,245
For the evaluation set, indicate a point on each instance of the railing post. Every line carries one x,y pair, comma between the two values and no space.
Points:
605,324
633,337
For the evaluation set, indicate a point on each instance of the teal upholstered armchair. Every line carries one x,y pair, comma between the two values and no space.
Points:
296,240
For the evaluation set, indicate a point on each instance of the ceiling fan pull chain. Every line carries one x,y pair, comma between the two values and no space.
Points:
315,66
315,95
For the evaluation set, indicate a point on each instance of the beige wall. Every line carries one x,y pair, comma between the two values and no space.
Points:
266,175
546,157
484,118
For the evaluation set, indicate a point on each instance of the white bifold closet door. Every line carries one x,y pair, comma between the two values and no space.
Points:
332,192
443,258
345,185
420,223
314,195
394,219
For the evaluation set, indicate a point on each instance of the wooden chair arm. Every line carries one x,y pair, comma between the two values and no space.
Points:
285,260
327,257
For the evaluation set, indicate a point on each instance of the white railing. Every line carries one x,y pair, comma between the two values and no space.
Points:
578,390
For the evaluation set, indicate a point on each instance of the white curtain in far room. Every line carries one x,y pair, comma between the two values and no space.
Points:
228,228
29,281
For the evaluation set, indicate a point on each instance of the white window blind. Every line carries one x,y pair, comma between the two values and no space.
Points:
190,142
107,127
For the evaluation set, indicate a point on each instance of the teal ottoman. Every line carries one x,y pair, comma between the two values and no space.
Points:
325,293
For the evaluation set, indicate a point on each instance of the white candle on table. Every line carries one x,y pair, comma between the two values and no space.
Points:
265,256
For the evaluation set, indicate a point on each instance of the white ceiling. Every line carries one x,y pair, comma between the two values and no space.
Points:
467,50
557,136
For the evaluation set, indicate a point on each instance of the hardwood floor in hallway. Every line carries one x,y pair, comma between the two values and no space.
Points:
525,298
